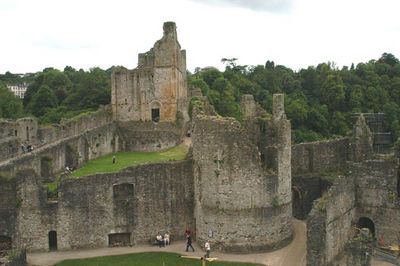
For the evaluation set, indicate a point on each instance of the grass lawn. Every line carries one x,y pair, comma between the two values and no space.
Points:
125,159
146,259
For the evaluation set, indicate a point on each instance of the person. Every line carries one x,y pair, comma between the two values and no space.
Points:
187,232
166,239
208,249
159,240
189,243
113,159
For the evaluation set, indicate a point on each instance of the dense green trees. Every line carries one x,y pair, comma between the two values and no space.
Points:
55,94
319,100
10,106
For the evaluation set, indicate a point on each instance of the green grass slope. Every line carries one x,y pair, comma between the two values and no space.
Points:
126,159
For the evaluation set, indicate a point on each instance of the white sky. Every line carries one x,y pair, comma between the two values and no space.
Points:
295,33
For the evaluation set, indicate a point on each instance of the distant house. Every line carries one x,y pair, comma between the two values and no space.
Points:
18,89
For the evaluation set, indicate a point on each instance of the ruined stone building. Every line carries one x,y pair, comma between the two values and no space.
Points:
155,90
239,187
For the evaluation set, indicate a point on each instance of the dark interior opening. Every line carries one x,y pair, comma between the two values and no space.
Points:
155,114
52,240
398,183
365,222
5,243
16,132
46,168
27,133
119,239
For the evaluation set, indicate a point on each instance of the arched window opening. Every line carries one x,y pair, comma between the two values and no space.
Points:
365,222
155,114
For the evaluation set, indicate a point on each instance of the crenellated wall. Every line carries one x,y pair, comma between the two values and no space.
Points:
141,201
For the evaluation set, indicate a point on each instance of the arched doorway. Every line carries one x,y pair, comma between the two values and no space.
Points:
52,240
365,222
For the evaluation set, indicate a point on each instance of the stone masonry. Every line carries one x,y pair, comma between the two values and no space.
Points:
157,88
234,189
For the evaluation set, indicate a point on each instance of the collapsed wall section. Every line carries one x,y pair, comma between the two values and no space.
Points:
238,207
329,226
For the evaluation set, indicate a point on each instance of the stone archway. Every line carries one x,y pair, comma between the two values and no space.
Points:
52,240
365,222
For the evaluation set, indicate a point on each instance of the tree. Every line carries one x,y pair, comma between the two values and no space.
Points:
10,105
43,100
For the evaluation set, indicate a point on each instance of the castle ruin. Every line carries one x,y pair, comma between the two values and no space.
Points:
239,187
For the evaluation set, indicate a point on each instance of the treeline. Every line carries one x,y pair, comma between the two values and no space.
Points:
319,100
53,94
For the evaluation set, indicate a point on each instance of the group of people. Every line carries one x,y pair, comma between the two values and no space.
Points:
27,148
163,241
207,246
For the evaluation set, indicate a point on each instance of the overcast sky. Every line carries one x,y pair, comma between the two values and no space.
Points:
295,33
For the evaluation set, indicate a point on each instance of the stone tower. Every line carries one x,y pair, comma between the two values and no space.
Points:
242,202
155,90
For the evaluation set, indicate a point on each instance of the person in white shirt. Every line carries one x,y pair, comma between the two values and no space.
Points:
166,239
159,240
208,249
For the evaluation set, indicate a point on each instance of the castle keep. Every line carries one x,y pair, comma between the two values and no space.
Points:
239,187
157,89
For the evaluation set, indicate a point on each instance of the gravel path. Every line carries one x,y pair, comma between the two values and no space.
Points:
294,254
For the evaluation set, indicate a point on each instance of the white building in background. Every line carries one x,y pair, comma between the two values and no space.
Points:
19,89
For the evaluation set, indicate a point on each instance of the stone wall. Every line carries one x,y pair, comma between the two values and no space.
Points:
18,258
320,156
158,83
8,206
329,226
74,126
149,136
378,198
306,189
238,206
72,151
9,147
141,201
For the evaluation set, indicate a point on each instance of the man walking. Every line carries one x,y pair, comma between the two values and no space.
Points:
189,243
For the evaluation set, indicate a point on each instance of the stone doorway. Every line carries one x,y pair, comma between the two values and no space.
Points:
155,114
52,240
119,239
365,222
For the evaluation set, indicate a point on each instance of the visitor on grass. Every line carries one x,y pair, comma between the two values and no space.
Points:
113,159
